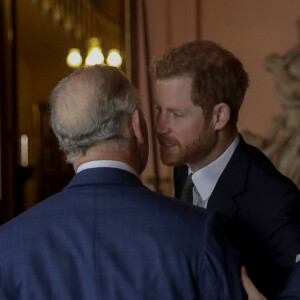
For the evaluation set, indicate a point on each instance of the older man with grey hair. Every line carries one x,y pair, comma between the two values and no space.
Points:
105,235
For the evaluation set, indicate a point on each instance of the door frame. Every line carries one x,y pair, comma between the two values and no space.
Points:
8,112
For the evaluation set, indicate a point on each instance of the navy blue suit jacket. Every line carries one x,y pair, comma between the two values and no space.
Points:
106,236
262,211
292,289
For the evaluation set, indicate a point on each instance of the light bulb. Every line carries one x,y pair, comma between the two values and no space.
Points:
57,14
114,58
74,58
46,5
68,24
94,57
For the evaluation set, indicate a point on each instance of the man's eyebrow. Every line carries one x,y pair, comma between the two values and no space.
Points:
171,109
176,109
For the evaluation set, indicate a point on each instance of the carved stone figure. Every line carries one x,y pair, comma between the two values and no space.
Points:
282,144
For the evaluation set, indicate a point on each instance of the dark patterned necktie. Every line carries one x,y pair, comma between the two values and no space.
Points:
187,192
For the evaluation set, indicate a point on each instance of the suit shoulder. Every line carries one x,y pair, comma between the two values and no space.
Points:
31,220
266,172
175,209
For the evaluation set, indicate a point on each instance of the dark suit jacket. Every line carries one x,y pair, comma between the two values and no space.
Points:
292,289
262,211
106,236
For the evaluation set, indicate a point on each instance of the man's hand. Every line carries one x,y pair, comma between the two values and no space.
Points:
252,292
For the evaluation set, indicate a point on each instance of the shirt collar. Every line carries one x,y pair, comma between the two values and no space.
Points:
206,178
106,164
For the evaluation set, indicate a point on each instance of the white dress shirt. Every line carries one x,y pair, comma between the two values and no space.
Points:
206,178
106,164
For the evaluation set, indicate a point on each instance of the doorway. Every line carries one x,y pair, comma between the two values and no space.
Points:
43,32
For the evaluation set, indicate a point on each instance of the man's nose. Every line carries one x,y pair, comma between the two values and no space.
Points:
161,124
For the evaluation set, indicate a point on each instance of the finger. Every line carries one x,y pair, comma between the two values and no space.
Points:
251,290
247,283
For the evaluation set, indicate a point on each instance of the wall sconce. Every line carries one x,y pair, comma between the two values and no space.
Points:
80,19
94,55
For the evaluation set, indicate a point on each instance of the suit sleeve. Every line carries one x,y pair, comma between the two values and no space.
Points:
284,233
2,297
220,276
292,288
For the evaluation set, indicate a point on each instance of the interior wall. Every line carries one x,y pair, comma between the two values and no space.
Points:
252,30
35,83
168,23
171,23
24,111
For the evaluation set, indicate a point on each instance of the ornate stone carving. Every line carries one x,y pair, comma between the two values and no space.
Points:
282,144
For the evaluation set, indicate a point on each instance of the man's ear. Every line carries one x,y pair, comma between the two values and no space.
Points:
137,126
221,115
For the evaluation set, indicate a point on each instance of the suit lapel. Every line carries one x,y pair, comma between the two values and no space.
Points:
231,183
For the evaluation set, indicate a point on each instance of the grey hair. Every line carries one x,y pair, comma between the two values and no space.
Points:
111,100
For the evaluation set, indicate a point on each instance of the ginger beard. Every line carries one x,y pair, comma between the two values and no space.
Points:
188,152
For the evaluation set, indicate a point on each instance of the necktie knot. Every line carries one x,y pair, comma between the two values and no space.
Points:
187,192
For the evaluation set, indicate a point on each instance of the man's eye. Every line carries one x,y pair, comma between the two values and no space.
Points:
156,108
177,114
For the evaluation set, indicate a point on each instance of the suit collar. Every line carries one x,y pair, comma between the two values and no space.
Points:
231,183
104,176
107,164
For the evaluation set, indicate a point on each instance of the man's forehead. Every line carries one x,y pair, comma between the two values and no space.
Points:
174,91
177,80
